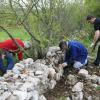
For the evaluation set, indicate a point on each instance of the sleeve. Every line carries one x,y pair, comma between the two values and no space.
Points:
20,55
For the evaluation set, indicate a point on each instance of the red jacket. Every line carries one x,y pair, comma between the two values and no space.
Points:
10,45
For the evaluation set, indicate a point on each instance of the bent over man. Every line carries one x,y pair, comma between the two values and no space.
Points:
75,54
10,46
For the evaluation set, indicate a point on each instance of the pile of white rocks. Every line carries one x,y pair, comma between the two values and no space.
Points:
29,79
84,89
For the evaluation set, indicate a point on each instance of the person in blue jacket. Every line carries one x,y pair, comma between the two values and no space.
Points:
75,54
5,55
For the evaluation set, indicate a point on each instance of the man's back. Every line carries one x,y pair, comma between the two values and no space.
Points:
10,45
81,50
97,24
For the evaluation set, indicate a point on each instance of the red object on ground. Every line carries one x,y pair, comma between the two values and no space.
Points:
9,45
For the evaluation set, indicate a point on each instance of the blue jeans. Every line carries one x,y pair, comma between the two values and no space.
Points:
10,62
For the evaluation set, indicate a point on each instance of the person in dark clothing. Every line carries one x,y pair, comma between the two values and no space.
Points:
75,54
5,55
96,22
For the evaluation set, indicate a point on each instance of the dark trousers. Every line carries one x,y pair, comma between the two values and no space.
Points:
97,61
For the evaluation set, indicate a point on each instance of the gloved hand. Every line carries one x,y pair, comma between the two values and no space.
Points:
92,44
64,64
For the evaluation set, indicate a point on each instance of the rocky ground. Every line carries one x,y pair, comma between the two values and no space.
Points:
63,89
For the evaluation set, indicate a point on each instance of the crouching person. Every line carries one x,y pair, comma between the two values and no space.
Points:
75,54
5,55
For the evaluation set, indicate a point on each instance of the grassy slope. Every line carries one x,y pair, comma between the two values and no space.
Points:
16,33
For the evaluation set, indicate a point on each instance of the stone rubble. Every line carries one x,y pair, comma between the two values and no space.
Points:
82,92
30,79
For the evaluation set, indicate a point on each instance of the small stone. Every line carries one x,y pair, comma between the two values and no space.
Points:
78,87
20,94
94,79
42,97
38,73
72,79
83,72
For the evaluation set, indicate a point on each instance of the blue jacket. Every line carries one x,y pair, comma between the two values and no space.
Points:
10,62
76,52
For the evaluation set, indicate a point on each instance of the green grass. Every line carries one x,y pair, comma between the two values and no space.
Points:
16,32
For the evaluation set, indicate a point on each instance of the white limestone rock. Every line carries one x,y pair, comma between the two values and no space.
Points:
49,54
78,87
16,70
5,95
34,80
58,76
35,95
19,66
8,74
54,49
72,80
95,85
88,78
27,87
51,84
12,97
29,95
39,73
2,79
77,96
51,73
39,66
42,97
89,98
28,62
4,86
94,79
42,61
83,72
20,94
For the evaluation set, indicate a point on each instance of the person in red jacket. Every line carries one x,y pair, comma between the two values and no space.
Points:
10,46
